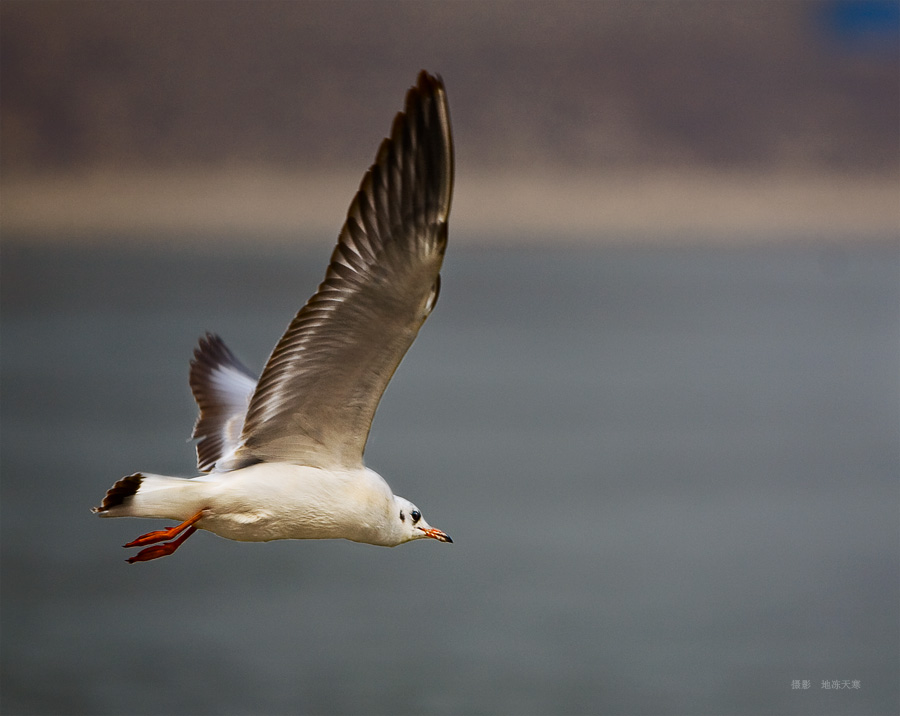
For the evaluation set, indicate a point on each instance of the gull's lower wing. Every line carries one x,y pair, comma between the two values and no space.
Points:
222,387
318,393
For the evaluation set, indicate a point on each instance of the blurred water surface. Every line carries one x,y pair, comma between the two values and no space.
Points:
671,476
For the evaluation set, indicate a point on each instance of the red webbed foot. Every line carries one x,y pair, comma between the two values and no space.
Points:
161,550
186,529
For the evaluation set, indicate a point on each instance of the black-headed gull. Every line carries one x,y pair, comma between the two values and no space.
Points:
284,455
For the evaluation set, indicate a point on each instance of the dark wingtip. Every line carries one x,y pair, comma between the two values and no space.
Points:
427,107
118,493
428,87
428,81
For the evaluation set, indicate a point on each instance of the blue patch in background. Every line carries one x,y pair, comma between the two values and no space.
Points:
868,25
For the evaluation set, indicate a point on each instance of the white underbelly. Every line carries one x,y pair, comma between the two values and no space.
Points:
273,501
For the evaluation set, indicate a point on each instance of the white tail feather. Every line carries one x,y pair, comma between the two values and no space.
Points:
144,495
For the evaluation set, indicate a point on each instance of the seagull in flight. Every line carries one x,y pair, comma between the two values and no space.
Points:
282,456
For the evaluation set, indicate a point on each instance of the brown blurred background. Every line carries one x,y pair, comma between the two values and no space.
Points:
599,120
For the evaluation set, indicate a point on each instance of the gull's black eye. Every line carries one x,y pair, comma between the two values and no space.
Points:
402,516
416,516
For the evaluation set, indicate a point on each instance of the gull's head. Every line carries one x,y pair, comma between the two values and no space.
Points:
409,523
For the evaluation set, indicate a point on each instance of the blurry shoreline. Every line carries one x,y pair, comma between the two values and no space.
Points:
516,208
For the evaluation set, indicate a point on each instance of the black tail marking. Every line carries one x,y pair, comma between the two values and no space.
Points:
121,491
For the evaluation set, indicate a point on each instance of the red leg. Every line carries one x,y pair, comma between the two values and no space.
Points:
163,535
161,550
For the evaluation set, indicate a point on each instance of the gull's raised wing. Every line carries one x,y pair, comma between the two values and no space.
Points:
317,395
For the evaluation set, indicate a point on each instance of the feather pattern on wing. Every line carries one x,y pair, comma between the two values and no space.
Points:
222,387
318,393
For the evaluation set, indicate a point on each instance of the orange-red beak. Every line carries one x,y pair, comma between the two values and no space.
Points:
437,534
